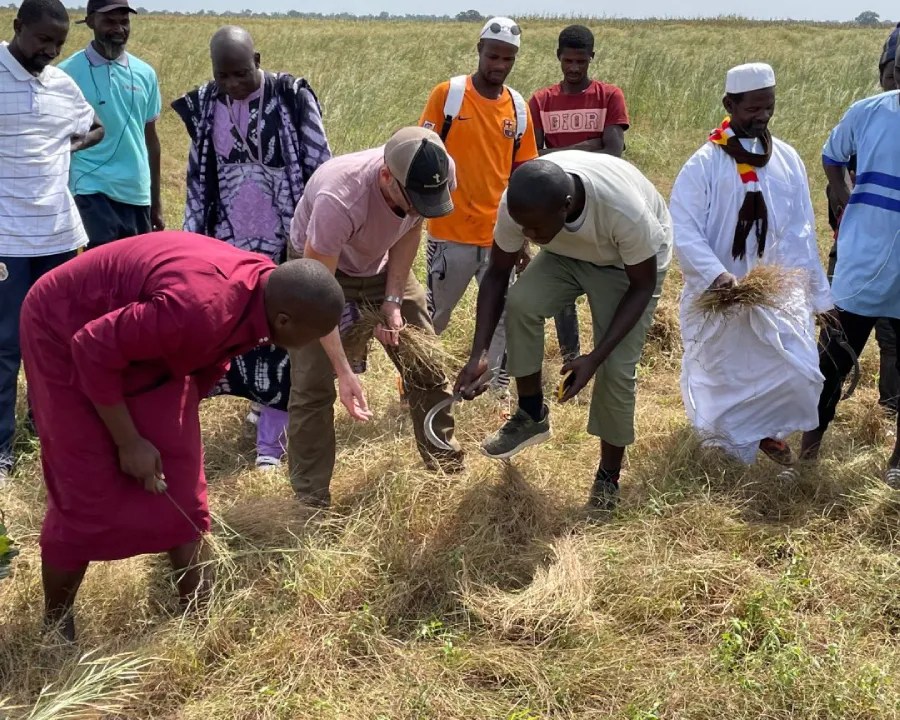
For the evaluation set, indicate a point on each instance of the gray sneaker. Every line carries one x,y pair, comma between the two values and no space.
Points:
519,432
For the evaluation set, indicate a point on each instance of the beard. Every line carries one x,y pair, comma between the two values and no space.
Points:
757,131
36,65
751,130
112,48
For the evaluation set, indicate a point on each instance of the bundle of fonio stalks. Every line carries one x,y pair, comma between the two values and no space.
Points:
764,286
419,354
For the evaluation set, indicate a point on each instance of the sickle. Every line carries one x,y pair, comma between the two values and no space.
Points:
854,380
429,417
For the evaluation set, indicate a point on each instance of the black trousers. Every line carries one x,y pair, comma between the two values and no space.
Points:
834,361
888,375
17,276
106,220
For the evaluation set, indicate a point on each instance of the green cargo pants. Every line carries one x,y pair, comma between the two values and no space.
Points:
549,284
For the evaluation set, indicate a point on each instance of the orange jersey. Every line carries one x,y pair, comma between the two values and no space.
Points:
480,142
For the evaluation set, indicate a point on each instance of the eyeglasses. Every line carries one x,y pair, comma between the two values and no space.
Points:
409,205
497,28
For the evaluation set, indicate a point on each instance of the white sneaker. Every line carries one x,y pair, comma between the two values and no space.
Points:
6,467
267,463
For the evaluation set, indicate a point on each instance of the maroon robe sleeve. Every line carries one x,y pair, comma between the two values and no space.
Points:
208,377
163,328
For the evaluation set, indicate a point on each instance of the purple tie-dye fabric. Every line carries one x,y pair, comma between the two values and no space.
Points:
232,197
224,177
224,121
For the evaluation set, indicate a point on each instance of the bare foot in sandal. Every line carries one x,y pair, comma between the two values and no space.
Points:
777,451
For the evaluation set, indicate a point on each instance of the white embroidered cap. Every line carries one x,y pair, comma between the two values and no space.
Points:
503,29
749,77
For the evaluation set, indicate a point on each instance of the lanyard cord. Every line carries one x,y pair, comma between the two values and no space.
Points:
125,127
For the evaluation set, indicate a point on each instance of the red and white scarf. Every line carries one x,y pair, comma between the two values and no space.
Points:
753,210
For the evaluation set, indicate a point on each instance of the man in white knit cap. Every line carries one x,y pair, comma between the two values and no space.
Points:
749,378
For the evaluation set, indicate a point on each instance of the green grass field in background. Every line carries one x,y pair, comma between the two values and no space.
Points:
715,592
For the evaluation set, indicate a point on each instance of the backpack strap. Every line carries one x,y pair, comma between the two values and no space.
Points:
521,118
453,103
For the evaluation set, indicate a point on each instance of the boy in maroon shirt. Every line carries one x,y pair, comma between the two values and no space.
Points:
577,114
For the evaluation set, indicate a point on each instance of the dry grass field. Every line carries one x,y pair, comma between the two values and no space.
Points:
714,592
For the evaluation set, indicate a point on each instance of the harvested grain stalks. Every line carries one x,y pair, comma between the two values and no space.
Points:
764,286
419,354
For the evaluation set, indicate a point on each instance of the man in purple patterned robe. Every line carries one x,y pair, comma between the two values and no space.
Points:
256,138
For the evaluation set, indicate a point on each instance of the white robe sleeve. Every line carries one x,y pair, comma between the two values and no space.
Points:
800,248
689,207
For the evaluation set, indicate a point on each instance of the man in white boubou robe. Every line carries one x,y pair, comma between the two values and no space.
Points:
750,377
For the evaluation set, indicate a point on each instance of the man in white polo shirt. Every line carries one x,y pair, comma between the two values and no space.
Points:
43,119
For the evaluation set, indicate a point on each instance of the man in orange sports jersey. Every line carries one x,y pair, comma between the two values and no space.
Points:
487,135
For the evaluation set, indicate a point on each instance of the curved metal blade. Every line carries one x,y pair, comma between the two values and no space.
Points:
430,435
854,380
429,419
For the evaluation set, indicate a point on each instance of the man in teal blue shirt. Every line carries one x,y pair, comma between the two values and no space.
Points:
116,183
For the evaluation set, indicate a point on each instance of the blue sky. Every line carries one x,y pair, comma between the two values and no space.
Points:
795,9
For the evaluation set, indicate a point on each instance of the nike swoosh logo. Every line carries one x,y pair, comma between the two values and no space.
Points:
460,117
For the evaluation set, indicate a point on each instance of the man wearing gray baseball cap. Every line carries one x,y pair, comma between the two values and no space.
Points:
116,184
361,216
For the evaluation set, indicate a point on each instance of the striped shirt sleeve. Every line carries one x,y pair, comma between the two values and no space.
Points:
83,113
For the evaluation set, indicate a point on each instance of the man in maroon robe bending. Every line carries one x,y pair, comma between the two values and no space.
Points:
119,346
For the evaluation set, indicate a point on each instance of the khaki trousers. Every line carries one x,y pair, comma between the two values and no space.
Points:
311,438
550,283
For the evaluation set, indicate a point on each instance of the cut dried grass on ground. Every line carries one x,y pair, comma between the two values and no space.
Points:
714,591
92,687
557,602
268,521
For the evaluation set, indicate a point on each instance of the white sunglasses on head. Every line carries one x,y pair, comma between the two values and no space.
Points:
497,28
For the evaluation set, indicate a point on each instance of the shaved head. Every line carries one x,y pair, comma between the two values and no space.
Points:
304,302
231,38
540,196
235,62
539,183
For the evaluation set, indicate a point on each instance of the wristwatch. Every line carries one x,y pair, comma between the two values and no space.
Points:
393,299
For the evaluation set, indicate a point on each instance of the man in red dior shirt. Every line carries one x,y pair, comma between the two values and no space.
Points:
577,114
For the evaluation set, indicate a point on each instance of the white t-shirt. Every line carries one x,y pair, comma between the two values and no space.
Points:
38,117
625,219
